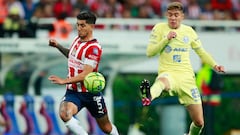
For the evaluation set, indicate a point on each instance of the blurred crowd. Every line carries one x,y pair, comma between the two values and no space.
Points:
22,15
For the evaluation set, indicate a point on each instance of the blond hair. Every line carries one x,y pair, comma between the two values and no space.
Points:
175,5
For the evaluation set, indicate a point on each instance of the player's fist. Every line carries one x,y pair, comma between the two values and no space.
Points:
53,43
171,35
219,68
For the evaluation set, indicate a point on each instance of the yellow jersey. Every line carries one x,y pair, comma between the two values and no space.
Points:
175,53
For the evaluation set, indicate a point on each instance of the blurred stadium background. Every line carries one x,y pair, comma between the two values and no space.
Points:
31,102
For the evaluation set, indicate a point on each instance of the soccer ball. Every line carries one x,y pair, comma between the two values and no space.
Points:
94,82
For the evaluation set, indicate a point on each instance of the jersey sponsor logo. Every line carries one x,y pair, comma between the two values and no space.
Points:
180,49
75,63
93,57
168,49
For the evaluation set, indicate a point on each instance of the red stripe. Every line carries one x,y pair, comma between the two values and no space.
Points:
74,43
83,88
81,51
82,85
82,48
74,85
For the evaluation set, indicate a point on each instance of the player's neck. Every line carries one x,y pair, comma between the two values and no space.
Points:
86,39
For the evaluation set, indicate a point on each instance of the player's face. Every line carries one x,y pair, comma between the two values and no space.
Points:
175,18
84,29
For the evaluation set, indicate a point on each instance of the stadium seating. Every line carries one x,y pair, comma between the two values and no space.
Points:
5,117
8,112
28,112
33,109
48,112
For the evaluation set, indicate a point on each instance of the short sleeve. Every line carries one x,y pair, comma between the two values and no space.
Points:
93,56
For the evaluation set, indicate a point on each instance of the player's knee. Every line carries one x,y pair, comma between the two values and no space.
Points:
107,128
165,82
65,115
199,123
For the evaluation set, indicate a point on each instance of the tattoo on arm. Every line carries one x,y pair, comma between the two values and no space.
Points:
63,50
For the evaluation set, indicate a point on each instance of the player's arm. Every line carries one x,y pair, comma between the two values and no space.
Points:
80,77
208,59
205,56
156,42
63,50
201,52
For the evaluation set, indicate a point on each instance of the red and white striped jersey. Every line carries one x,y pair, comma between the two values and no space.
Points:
82,53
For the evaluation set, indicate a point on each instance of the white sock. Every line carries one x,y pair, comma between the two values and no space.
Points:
74,126
114,130
195,130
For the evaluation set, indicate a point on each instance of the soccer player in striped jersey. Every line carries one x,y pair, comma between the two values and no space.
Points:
173,42
83,57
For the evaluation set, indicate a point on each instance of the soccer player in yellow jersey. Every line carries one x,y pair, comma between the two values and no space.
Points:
173,42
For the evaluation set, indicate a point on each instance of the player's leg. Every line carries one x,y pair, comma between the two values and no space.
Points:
106,126
67,110
150,93
97,107
196,114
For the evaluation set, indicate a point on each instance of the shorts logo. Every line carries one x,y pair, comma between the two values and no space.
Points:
98,99
195,94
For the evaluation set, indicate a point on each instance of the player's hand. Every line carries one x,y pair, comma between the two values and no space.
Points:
56,80
219,68
171,35
53,43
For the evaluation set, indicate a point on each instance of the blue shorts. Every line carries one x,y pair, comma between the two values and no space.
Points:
93,102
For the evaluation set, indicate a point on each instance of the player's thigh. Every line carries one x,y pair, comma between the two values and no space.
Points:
196,113
187,90
95,104
70,104
167,79
66,106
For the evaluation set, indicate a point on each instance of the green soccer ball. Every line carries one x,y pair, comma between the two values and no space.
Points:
94,82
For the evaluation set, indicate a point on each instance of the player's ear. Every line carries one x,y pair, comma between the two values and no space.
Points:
183,15
92,26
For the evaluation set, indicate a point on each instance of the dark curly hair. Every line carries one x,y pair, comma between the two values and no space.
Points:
88,16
